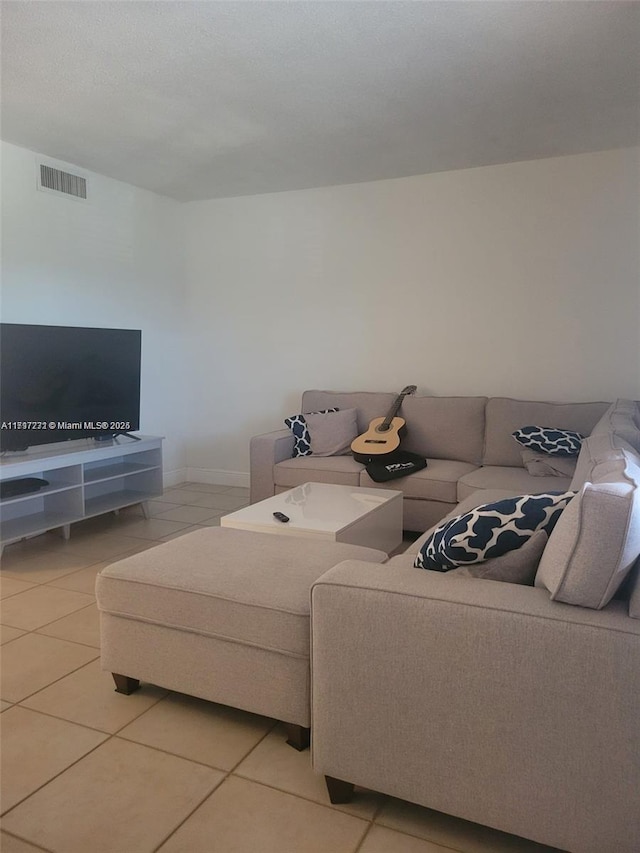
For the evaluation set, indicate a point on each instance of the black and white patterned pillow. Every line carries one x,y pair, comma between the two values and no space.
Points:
490,530
300,430
555,442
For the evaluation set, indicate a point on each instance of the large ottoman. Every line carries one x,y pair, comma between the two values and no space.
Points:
221,614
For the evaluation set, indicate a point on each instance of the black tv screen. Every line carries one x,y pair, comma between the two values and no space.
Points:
62,383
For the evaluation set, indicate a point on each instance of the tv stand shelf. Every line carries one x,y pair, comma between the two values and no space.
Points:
85,479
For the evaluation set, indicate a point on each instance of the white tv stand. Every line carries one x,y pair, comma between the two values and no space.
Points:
86,478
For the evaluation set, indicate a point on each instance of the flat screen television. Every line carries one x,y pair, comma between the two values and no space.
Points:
60,383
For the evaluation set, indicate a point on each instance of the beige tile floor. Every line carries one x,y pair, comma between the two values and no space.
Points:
87,770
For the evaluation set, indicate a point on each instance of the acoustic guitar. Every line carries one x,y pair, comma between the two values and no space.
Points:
383,436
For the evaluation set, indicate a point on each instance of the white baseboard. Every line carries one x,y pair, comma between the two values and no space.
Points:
218,477
174,477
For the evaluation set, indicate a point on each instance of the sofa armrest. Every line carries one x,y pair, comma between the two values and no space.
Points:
264,452
481,699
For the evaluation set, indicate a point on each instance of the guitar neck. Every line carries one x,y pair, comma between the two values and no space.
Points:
410,389
392,412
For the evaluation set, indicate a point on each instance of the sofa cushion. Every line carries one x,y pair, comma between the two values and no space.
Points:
550,440
597,540
622,419
445,427
542,465
301,438
369,404
341,470
517,481
504,415
331,433
491,530
437,482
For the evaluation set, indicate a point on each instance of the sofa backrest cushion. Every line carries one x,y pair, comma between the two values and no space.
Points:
597,538
622,418
594,449
505,415
445,427
370,404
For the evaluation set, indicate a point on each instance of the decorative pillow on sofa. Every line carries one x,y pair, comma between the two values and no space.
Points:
540,464
597,541
555,442
490,530
331,433
519,566
298,426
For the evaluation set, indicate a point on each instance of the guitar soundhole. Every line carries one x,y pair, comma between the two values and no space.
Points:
382,428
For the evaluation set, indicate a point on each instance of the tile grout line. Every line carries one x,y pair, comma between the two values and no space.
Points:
220,783
55,681
53,621
367,832
26,841
108,736
56,775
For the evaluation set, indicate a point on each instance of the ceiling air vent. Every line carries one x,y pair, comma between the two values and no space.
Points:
62,182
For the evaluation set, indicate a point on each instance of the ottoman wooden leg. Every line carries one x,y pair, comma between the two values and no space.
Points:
125,684
339,791
298,737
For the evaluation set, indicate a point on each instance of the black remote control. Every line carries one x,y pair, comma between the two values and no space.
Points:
280,516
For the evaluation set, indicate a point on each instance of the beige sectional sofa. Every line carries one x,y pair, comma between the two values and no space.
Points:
467,441
516,707
513,706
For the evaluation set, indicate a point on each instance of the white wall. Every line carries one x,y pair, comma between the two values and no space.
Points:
520,279
113,261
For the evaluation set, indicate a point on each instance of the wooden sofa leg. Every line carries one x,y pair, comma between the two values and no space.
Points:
125,684
298,737
339,791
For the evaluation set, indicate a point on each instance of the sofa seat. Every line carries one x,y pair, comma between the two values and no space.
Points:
341,470
437,482
517,481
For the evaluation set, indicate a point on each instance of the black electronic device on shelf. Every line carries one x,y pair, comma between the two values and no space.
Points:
60,383
21,486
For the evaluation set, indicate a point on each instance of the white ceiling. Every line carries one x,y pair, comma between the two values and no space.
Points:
199,100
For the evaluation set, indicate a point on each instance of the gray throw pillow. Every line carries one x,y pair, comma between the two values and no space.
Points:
301,438
519,566
332,432
634,596
540,464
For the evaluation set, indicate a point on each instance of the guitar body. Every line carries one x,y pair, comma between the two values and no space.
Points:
383,436
376,443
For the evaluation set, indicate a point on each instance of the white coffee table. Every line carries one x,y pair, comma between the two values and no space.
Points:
359,516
